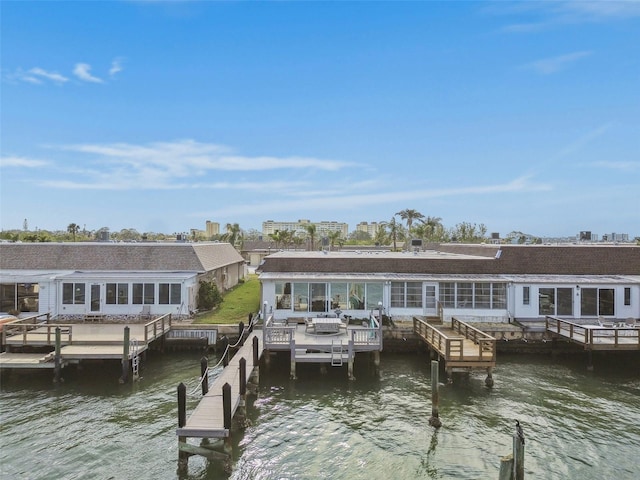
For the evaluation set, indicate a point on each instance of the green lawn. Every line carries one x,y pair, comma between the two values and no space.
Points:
236,305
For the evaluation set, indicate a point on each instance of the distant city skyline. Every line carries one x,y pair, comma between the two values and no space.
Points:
159,116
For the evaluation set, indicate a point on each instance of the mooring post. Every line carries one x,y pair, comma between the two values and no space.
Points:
434,420
225,349
57,369
589,360
518,458
251,323
489,380
241,333
506,468
242,367
350,360
183,456
376,362
204,375
292,346
226,414
125,357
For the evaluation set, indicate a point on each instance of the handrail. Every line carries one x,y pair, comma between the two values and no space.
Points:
590,334
154,323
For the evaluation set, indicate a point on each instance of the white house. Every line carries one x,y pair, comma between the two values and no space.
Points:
483,283
117,280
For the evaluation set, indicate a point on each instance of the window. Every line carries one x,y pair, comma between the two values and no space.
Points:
555,301
73,293
7,297
339,297
482,295
117,293
356,296
169,293
318,297
283,296
526,292
374,295
464,296
143,293
627,295
499,295
597,301
448,294
300,297
406,294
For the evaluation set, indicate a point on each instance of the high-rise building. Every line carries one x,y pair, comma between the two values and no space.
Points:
322,228
212,229
370,228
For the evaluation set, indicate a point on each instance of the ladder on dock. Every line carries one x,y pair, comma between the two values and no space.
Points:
336,354
135,358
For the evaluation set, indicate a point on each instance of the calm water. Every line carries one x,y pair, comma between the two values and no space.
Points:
578,424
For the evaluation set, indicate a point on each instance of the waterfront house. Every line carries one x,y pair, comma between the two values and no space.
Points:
481,283
114,280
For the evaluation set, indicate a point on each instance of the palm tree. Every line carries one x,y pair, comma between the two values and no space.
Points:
431,224
311,230
394,231
409,216
381,236
73,229
234,234
276,237
334,237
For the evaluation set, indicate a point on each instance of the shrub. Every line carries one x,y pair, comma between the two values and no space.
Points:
208,295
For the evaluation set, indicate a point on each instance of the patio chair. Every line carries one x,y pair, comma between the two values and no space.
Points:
605,324
631,323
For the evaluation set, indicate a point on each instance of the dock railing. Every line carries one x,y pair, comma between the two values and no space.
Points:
35,324
277,333
595,337
156,328
486,343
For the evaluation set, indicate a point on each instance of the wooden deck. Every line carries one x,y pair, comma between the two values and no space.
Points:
460,345
78,341
595,337
207,420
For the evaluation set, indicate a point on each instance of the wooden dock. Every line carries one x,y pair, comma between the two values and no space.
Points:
461,346
595,337
208,418
77,341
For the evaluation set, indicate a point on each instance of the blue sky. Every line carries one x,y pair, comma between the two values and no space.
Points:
159,116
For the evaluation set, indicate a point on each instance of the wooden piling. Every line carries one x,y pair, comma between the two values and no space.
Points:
125,356
434,420
376,362
226,415
204,375
241,333
506,468
518,458
292,372
251,323
225,349
182,421
489,380
351,360
57,369
242,372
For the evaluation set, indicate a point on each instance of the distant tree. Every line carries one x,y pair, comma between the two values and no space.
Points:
233,235
298,241
409,215
129,235
73,229
311,230
381,237
466,232
395,231
358,236
334,237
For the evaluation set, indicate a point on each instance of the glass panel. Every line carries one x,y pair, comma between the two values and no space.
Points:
547,301
301,297
374,295
137,294
339,296
95,298
525,295
176,294
319,297
356,296
606,301
465,295
163,294
7,297
447,294
627,295
482,297
588,302
149,294
28,297
414,295
283,296
123,293
565,301
111,294
499,295
67,293
397,294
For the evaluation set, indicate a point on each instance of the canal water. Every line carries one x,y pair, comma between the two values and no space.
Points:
578,424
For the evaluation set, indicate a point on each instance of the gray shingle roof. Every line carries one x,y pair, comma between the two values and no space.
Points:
195,257
531,260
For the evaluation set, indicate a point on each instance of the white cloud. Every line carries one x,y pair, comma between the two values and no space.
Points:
53,76
617,165
83,72
547,66
116,67
20,162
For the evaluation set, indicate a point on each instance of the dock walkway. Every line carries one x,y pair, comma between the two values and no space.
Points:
207,420
461,346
